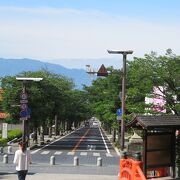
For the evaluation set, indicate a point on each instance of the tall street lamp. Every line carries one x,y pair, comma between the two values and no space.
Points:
23,104
124,53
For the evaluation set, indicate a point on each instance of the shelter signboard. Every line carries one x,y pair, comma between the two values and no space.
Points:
159,147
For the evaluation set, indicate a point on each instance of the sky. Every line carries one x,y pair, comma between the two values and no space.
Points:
74,33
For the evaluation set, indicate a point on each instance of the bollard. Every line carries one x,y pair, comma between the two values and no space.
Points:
76,161
52,160
1,150
99,161
5,159
9,150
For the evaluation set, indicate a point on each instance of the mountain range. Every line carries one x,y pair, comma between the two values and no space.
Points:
12,67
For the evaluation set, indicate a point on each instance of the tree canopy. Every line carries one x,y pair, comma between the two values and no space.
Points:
143,74
54,95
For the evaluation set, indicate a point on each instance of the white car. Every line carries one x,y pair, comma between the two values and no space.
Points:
95,124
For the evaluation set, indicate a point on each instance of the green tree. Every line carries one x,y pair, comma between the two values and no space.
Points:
104,99
46,99
153,71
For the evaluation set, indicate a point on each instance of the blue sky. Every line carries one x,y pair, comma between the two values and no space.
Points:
52,30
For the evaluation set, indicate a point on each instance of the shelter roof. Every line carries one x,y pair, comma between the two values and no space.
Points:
150,122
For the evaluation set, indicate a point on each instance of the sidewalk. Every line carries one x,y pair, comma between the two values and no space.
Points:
46,176
42,176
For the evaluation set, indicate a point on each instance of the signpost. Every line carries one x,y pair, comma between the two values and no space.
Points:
25,111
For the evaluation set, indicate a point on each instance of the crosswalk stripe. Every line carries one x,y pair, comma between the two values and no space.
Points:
71,153
33,152
83,153
96,154
109,155
58,153
45,152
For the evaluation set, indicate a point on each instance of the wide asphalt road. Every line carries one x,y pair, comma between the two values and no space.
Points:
88,143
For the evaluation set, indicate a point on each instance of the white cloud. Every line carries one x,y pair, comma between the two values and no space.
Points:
47,33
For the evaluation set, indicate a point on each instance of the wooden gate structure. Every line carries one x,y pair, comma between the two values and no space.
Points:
159,150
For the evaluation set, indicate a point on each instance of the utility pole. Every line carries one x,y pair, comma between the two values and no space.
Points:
124,53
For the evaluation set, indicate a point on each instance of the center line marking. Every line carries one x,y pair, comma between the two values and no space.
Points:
81,139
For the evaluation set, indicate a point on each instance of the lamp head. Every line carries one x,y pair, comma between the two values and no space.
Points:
28,79
119,52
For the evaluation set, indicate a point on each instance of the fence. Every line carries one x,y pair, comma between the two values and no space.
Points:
12,126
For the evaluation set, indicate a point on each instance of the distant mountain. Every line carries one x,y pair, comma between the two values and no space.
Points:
11,67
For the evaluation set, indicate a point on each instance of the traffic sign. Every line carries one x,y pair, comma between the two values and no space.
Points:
23,106
23,96
118,118
119,112
102,71
23,101
23,118
23,114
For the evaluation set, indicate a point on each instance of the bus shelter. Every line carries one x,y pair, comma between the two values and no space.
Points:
159,141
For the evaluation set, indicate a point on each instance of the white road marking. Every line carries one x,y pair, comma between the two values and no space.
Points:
115,148
92,140
107,149
109,155
96,154
33,152
58,153
45,152
70,153
83,153
53,142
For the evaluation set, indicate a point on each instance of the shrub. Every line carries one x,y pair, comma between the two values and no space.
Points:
15,133
3,142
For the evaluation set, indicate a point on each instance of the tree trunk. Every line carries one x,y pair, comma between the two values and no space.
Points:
41,135
114,135
35,137
50,131
56,126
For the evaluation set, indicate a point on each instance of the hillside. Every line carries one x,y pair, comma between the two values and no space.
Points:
11,67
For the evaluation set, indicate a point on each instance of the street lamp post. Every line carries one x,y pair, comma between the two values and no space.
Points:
23,105
124,53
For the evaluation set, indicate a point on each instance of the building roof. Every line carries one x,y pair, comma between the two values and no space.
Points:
150,122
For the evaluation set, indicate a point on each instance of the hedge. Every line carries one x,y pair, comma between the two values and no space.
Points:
12,134
15,133
3,142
